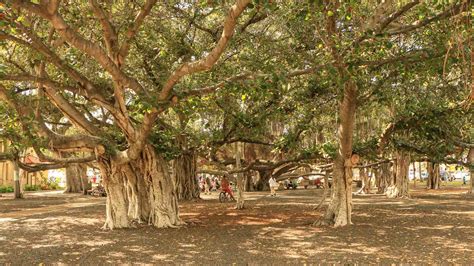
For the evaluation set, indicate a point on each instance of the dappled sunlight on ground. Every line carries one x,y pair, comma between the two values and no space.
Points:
424,229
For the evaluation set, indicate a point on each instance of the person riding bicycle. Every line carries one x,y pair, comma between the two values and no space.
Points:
225,187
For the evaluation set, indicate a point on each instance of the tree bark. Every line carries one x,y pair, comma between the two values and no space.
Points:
117,200
139,205
419,171
248,181
433,181
16,179
184,176
141,190
240,204
163,200
383,182
76,179
263,178
340,208
414,174
399,186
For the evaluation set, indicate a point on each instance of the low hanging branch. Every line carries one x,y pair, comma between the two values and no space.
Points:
257,166
7,156
55,163
46,166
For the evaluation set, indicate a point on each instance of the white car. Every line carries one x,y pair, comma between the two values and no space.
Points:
461,175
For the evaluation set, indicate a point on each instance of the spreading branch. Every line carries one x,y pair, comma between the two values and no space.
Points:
187,69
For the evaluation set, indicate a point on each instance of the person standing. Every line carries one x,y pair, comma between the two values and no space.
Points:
273,186
213,185
207,186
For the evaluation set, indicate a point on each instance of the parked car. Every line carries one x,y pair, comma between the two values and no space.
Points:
462,176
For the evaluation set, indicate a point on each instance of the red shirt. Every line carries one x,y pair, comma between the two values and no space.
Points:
225,184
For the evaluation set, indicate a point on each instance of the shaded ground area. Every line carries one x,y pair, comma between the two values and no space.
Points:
433,227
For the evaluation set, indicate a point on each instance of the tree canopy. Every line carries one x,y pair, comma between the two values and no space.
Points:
131,85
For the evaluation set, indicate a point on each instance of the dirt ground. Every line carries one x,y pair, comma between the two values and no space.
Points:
432,227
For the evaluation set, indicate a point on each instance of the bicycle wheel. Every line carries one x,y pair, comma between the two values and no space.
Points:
222,197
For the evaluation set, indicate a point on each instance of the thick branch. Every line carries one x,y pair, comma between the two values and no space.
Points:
90,89
56,141
132,31
207,62
187,69
88,47
110,36
42,167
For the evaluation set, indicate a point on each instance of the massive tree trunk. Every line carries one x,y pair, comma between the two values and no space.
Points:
433,181
140,190
116,214
263,178
76,179
139,207
184,176
399,187
164,210
340,208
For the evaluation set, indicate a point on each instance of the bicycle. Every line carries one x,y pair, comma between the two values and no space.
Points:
224,197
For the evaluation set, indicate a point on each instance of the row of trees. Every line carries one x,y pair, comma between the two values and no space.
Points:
150,92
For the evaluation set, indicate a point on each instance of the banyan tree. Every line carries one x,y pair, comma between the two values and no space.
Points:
112,70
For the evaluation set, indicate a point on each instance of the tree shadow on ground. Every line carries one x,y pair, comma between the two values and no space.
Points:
425,229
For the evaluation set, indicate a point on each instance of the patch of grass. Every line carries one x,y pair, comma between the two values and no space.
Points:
32,187
6,189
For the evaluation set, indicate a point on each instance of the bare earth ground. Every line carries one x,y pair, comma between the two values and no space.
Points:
433,227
